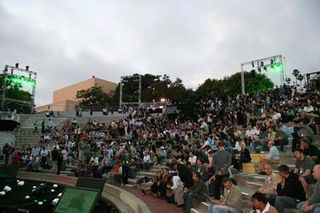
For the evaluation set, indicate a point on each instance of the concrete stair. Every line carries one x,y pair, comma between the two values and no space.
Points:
29,123
26,136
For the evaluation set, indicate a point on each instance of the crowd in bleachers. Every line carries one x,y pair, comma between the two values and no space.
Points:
202,149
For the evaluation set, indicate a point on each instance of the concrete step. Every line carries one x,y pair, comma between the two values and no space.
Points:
146,174
193,210
242,179
159,167
204,207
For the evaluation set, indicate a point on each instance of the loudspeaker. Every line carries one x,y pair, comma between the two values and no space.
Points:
8,172
91,183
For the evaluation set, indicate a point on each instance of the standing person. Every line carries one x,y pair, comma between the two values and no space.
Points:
43,126
54,158
44,158
35,127
126,159
7,151
59,161
222,161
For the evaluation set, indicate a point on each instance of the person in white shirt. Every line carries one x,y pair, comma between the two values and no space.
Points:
146,160
276,116
308,108
192,159
177,188
95,160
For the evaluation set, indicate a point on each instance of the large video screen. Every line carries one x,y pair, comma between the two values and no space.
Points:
77,200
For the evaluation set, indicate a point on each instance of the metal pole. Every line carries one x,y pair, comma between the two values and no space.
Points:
4,86
33,92
242,81
120,94
139,92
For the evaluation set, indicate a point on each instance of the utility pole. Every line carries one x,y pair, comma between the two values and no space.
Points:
139,92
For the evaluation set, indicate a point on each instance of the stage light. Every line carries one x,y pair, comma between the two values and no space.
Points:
271,61
265,68
295,72
252,63
300,77
277,67
288,80
261,64
5,68
259,69
17,65
27,68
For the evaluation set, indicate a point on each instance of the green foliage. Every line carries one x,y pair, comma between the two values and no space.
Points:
93,98
153,87
254,82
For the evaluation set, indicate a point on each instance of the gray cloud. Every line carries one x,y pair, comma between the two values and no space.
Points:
69,41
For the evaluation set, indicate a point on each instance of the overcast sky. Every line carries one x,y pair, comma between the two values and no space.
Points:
67,41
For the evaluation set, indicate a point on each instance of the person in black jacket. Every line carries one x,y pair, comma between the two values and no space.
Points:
7,151
59,161
245,156
290,190
185,175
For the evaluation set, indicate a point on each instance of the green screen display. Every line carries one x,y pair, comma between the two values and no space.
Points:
76,200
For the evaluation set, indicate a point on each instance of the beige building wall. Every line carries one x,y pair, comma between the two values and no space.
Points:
65,99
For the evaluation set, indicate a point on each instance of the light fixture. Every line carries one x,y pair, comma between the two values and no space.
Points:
17,65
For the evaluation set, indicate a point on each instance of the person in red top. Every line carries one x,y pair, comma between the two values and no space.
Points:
16,159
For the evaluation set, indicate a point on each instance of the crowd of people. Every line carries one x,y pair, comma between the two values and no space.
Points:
202,148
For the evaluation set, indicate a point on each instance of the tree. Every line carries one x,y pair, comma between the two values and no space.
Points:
231,86
93,98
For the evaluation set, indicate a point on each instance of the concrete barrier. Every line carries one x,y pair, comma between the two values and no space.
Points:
123,200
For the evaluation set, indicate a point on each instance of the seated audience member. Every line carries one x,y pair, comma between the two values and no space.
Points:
197,191
230,201
177,188
313,204
80,170
273,156
304,166
289,190
269,187
281,138
310,150
245,156
192,159
260,204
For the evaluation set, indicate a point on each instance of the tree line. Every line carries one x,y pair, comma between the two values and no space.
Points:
156,87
